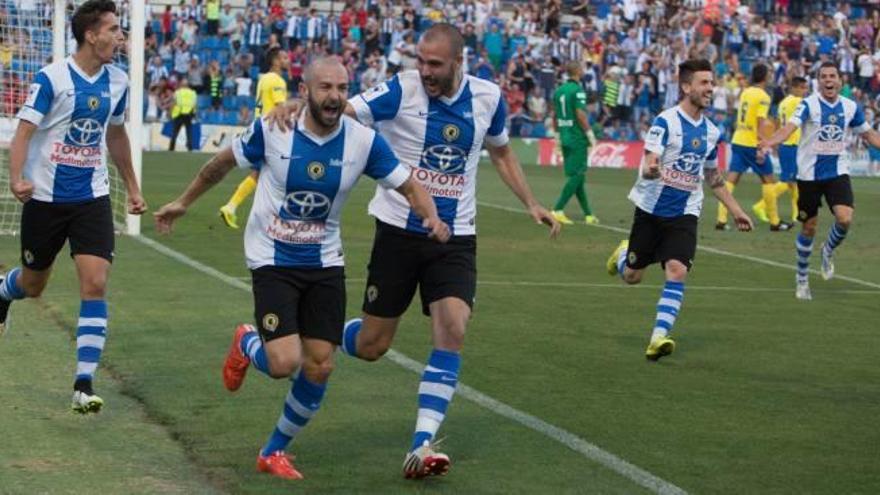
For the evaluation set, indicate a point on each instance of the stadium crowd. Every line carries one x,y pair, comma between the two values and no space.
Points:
629,48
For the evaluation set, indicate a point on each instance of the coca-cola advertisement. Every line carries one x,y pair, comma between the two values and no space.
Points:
608,154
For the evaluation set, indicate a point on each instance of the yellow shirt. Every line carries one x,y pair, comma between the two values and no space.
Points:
271,90
184,102
786,110
754,104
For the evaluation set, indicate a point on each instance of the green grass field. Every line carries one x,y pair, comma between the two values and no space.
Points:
764,394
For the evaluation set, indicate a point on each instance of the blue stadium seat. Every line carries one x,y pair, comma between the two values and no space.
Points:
230,102
245,101
230,118
222,56
204,101
255,72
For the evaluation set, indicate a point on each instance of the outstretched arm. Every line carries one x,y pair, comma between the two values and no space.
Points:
508,167
210,174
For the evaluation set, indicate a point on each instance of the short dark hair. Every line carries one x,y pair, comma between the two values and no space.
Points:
450,33
88,15
687,69
273,52
798,81
759,73
826,65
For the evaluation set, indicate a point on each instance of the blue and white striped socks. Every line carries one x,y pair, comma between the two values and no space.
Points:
804,246
10,290
252,347
303,401
668,308
435,393
835,236
349,336
621,262
91,332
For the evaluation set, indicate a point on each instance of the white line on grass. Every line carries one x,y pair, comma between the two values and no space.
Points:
707,249
590,451
590,285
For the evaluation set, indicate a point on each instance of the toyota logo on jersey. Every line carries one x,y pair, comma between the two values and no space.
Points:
445,158
85,132
307,205
689,163
830,132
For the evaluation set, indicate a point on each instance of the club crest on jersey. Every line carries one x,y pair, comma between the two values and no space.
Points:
696,143
270,322
372,293
451,132
832,119
315,170
94,102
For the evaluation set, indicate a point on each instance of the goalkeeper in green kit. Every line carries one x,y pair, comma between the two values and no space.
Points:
575,137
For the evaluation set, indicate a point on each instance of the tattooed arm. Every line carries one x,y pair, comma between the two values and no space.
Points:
715,179
210,174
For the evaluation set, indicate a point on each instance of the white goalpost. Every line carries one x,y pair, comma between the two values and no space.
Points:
32,34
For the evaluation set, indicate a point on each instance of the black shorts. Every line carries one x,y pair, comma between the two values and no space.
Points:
837,191
45,226
402,260
290,301
655,238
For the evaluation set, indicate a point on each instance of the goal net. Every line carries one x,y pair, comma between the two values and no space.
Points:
33,33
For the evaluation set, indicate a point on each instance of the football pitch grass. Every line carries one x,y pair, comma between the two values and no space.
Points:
764,394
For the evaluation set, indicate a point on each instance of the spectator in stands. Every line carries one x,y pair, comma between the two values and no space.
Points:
298,61
156,71
212,16
182,58
182,113
166,24
189,33
214,77
253,37
195,76
226,19
333,34
243,85
625,95
493,41
537,105
372,76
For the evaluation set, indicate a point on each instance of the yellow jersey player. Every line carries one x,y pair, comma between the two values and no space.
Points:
752,117
271,90
788,149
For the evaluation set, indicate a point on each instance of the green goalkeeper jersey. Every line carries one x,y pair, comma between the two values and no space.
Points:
567,99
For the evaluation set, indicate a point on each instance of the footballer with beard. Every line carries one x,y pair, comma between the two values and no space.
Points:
681,150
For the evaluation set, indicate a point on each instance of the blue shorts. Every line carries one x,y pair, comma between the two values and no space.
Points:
788,162
874,153
746,157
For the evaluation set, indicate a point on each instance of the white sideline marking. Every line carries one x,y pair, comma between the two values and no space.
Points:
592,285
590,451
708,249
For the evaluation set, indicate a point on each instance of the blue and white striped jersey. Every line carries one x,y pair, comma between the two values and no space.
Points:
304,182
825,135
439,139
685,147
66,159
